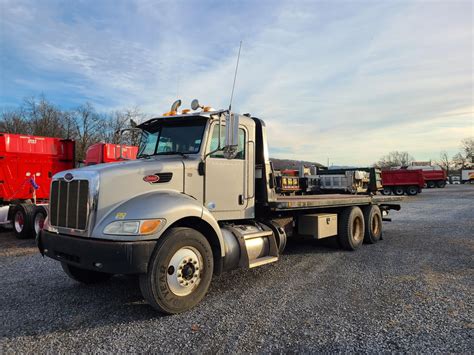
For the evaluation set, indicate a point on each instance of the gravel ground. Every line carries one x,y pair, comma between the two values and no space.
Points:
413,291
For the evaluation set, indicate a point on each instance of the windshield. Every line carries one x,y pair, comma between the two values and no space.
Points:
172,138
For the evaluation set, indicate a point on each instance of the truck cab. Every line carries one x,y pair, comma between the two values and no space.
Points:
199,200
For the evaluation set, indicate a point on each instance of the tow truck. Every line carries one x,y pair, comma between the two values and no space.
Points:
199,200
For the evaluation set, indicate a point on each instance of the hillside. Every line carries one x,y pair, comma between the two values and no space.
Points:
280,164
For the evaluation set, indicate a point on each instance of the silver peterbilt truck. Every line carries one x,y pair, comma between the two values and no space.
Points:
199,200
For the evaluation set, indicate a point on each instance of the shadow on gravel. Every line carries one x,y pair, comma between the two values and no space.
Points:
11,246
61,304
64,305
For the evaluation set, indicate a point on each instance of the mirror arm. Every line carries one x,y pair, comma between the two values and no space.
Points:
219,139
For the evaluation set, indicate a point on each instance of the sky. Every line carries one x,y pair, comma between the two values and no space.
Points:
344,81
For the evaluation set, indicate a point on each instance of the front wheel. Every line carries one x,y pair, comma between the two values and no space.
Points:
179,271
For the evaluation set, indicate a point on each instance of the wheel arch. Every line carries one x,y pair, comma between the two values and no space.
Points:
209,233
176,208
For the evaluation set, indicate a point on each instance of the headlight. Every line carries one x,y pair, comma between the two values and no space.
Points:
141,227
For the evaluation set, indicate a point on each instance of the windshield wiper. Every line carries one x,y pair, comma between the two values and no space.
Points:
144,156
171,153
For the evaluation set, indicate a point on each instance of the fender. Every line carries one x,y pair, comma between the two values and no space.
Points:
167,204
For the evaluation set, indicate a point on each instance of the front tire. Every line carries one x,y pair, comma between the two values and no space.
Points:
179,271
351,228
85,276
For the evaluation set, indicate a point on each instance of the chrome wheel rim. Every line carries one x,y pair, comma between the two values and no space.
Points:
184,271
19,222
39,222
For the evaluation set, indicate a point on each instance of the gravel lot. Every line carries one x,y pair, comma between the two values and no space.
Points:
413,291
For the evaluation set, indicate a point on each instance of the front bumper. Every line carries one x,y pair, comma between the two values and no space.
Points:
113,257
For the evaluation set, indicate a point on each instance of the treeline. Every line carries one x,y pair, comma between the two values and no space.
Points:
39,117
461,160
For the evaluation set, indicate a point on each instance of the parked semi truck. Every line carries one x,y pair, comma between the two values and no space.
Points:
199,200
401,181
27,164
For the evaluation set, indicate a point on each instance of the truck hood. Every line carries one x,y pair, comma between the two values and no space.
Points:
115,183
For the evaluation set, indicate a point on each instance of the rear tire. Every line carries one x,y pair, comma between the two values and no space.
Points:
412,190
351,228
398,190
431,184
440,184
373,224
38,220
179,271
85,276
22,219
387,191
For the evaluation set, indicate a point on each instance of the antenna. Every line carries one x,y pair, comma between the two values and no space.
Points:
235,77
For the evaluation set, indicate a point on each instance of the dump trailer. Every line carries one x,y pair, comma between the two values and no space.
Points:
401,181
27,164
109,153
435,176
199,200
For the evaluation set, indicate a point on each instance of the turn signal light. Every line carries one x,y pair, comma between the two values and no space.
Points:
150,226
170,113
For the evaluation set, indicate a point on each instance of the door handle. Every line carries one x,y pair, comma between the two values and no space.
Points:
241,199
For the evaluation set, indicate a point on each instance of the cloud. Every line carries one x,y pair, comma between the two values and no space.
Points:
345,80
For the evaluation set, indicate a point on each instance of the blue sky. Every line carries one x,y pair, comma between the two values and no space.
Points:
344,80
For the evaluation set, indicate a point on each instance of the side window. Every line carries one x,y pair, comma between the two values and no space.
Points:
149,144
215,143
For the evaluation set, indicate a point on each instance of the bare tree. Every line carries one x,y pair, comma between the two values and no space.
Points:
87,128
14,121
394,159
44,118
467,147
445,162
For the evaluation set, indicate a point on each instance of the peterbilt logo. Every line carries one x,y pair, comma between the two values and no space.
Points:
151,179
68,177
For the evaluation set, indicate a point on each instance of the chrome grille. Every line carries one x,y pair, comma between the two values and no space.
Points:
69,204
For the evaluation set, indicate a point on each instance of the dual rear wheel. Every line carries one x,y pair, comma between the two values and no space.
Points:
358,225
28,220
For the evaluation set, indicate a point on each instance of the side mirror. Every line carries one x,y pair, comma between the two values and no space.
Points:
231,142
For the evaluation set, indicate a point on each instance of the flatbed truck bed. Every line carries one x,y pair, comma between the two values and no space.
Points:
287,203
